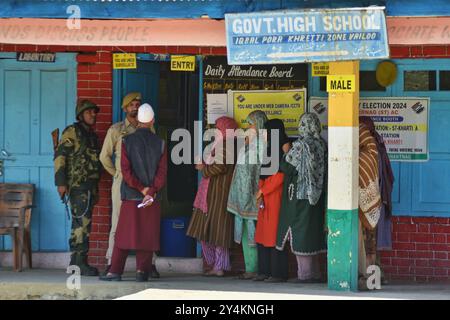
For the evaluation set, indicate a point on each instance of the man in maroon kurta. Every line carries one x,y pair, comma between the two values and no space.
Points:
144,169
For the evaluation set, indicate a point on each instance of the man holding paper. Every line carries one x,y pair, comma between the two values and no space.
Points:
144,170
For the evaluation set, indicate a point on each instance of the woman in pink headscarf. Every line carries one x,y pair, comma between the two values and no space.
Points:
210,223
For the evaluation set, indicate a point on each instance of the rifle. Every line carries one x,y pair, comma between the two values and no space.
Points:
55,139
65,199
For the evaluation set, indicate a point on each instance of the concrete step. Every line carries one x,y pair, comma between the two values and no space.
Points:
60,260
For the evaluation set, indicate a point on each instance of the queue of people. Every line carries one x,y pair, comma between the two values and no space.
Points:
273,214
269,212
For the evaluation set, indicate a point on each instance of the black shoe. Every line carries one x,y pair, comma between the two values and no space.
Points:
141,276
87,270
154,273
111,277
260,277
274,280
309,281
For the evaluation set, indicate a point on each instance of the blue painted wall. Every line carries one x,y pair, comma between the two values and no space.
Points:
196,8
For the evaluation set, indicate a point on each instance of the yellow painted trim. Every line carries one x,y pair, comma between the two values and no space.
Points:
343,108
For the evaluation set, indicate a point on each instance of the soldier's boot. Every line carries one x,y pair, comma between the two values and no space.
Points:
85,268
73,259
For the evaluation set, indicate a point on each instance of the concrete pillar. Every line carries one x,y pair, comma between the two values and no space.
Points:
343,172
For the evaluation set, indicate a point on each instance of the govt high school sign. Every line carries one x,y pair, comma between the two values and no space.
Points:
306,36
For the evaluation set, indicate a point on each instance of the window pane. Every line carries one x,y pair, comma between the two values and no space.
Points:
419,80
444,80
368,81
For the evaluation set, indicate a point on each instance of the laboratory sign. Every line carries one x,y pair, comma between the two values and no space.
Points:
306,36
401,121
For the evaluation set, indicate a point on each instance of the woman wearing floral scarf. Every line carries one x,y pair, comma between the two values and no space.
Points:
210,223
302,215
244,187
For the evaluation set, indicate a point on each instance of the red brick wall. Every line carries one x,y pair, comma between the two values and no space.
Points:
420,250
94,73
425,52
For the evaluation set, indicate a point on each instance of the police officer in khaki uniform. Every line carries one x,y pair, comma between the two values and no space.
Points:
112,146
77,172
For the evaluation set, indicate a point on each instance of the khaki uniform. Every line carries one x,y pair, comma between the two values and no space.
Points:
112,146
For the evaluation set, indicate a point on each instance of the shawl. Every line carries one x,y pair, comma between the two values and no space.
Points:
308,156
244,185
369,189
386,174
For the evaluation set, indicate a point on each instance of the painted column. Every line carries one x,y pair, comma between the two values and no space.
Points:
343,171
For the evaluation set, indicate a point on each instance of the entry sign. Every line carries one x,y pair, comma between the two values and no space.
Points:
341,83
314,35
124,61
182,63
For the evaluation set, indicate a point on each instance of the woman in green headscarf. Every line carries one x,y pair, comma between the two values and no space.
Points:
244,186
302,215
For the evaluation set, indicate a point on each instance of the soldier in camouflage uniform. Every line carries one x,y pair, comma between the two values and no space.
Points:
77,172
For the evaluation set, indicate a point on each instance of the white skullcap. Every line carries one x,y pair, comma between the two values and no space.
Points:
145,113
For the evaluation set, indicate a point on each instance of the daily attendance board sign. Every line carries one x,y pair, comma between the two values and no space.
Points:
313,35
401,121
286,105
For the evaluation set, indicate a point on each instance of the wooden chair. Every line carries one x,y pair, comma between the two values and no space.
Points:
16,201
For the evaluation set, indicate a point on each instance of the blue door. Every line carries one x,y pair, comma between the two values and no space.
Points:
429,185
143,79
36,98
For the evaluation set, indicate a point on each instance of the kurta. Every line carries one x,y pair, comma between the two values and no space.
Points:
139,229
300,222
216,226
266,228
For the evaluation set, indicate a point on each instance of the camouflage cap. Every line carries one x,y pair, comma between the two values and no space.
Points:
83,105
130,97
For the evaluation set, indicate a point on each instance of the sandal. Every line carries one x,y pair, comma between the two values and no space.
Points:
211,273
246,276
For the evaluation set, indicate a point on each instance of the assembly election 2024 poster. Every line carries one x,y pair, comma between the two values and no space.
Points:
287,105
401,121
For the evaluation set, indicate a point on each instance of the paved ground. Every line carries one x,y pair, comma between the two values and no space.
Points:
51,284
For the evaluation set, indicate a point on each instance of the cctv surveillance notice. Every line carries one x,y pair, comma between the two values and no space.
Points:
286,105
401,121
314,35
